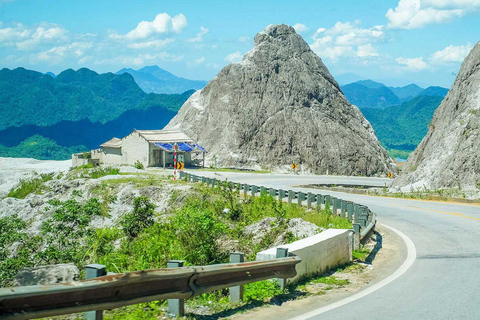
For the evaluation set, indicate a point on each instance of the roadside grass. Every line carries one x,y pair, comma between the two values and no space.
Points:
28,186
360,254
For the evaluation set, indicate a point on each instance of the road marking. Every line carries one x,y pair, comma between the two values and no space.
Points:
411,256
458,214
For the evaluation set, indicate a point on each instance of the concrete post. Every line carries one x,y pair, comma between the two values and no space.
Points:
291,196
94,271
363,216
350,211
356,236
254,190
356,213
334,205
246,188
282,253
214,181
344,209
309,200
236,293
204,179
238,187
176,307
281,194
181,174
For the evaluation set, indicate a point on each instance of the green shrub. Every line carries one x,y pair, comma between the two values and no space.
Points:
101,172
140,218
27,186
261,290
138,165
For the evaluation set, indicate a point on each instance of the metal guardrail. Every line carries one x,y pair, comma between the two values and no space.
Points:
113,291
363,219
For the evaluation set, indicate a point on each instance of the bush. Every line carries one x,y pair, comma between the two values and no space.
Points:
101,172
27,186
138,165
140,218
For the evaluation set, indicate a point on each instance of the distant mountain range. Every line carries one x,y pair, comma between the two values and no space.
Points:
371,94
399,115
76,110
154,79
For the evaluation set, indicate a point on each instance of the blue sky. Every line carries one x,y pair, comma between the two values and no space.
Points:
422,41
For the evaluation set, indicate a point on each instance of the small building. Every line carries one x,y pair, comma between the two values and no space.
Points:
151,148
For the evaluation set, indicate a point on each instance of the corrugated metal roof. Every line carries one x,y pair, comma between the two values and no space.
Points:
164,136
112,143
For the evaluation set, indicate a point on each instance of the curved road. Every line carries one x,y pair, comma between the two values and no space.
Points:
444,280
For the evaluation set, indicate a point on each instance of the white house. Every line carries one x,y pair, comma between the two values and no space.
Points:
152,148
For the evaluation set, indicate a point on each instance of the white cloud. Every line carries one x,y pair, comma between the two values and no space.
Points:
244,39
153,44
300,28
367,51
412,64
139,60
199,36
162,24
451,54
234,57
213,65
412,14
58,54
346,39
26,39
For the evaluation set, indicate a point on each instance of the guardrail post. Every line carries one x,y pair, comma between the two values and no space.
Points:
94,271
181,174
281,194
363,216
291,196
328,201
246,188
320,201
254,191
309,200
273,192
282,253
263,190
356,213
356,236
301,197
344,209
350,211
176,307
334,205
236,293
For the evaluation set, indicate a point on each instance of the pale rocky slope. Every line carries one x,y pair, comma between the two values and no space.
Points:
449,155
278,106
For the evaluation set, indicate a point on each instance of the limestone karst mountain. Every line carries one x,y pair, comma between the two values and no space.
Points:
280,105
449,155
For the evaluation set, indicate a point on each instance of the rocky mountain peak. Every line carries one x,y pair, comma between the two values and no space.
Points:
280,105
449,155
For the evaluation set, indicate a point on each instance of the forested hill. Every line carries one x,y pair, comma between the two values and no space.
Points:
48,117
32,98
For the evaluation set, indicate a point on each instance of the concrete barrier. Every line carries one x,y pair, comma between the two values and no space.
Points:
319,253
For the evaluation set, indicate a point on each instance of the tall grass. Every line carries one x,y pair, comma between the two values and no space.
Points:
28,186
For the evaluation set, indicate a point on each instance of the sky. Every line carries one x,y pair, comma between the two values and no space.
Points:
394,41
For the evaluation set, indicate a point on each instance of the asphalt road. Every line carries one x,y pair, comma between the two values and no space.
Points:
444,280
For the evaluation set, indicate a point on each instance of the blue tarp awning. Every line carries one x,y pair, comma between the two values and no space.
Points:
181,146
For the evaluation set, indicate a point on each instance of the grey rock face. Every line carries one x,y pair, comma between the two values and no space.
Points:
278,106
51,274
449,155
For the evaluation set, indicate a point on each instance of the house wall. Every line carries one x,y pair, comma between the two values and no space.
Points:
112,156
135,148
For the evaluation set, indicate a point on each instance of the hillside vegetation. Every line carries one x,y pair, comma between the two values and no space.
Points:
49,118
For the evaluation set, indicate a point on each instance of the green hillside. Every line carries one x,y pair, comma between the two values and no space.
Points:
401,128
30,97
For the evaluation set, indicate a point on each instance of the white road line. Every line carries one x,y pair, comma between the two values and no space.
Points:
411,256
